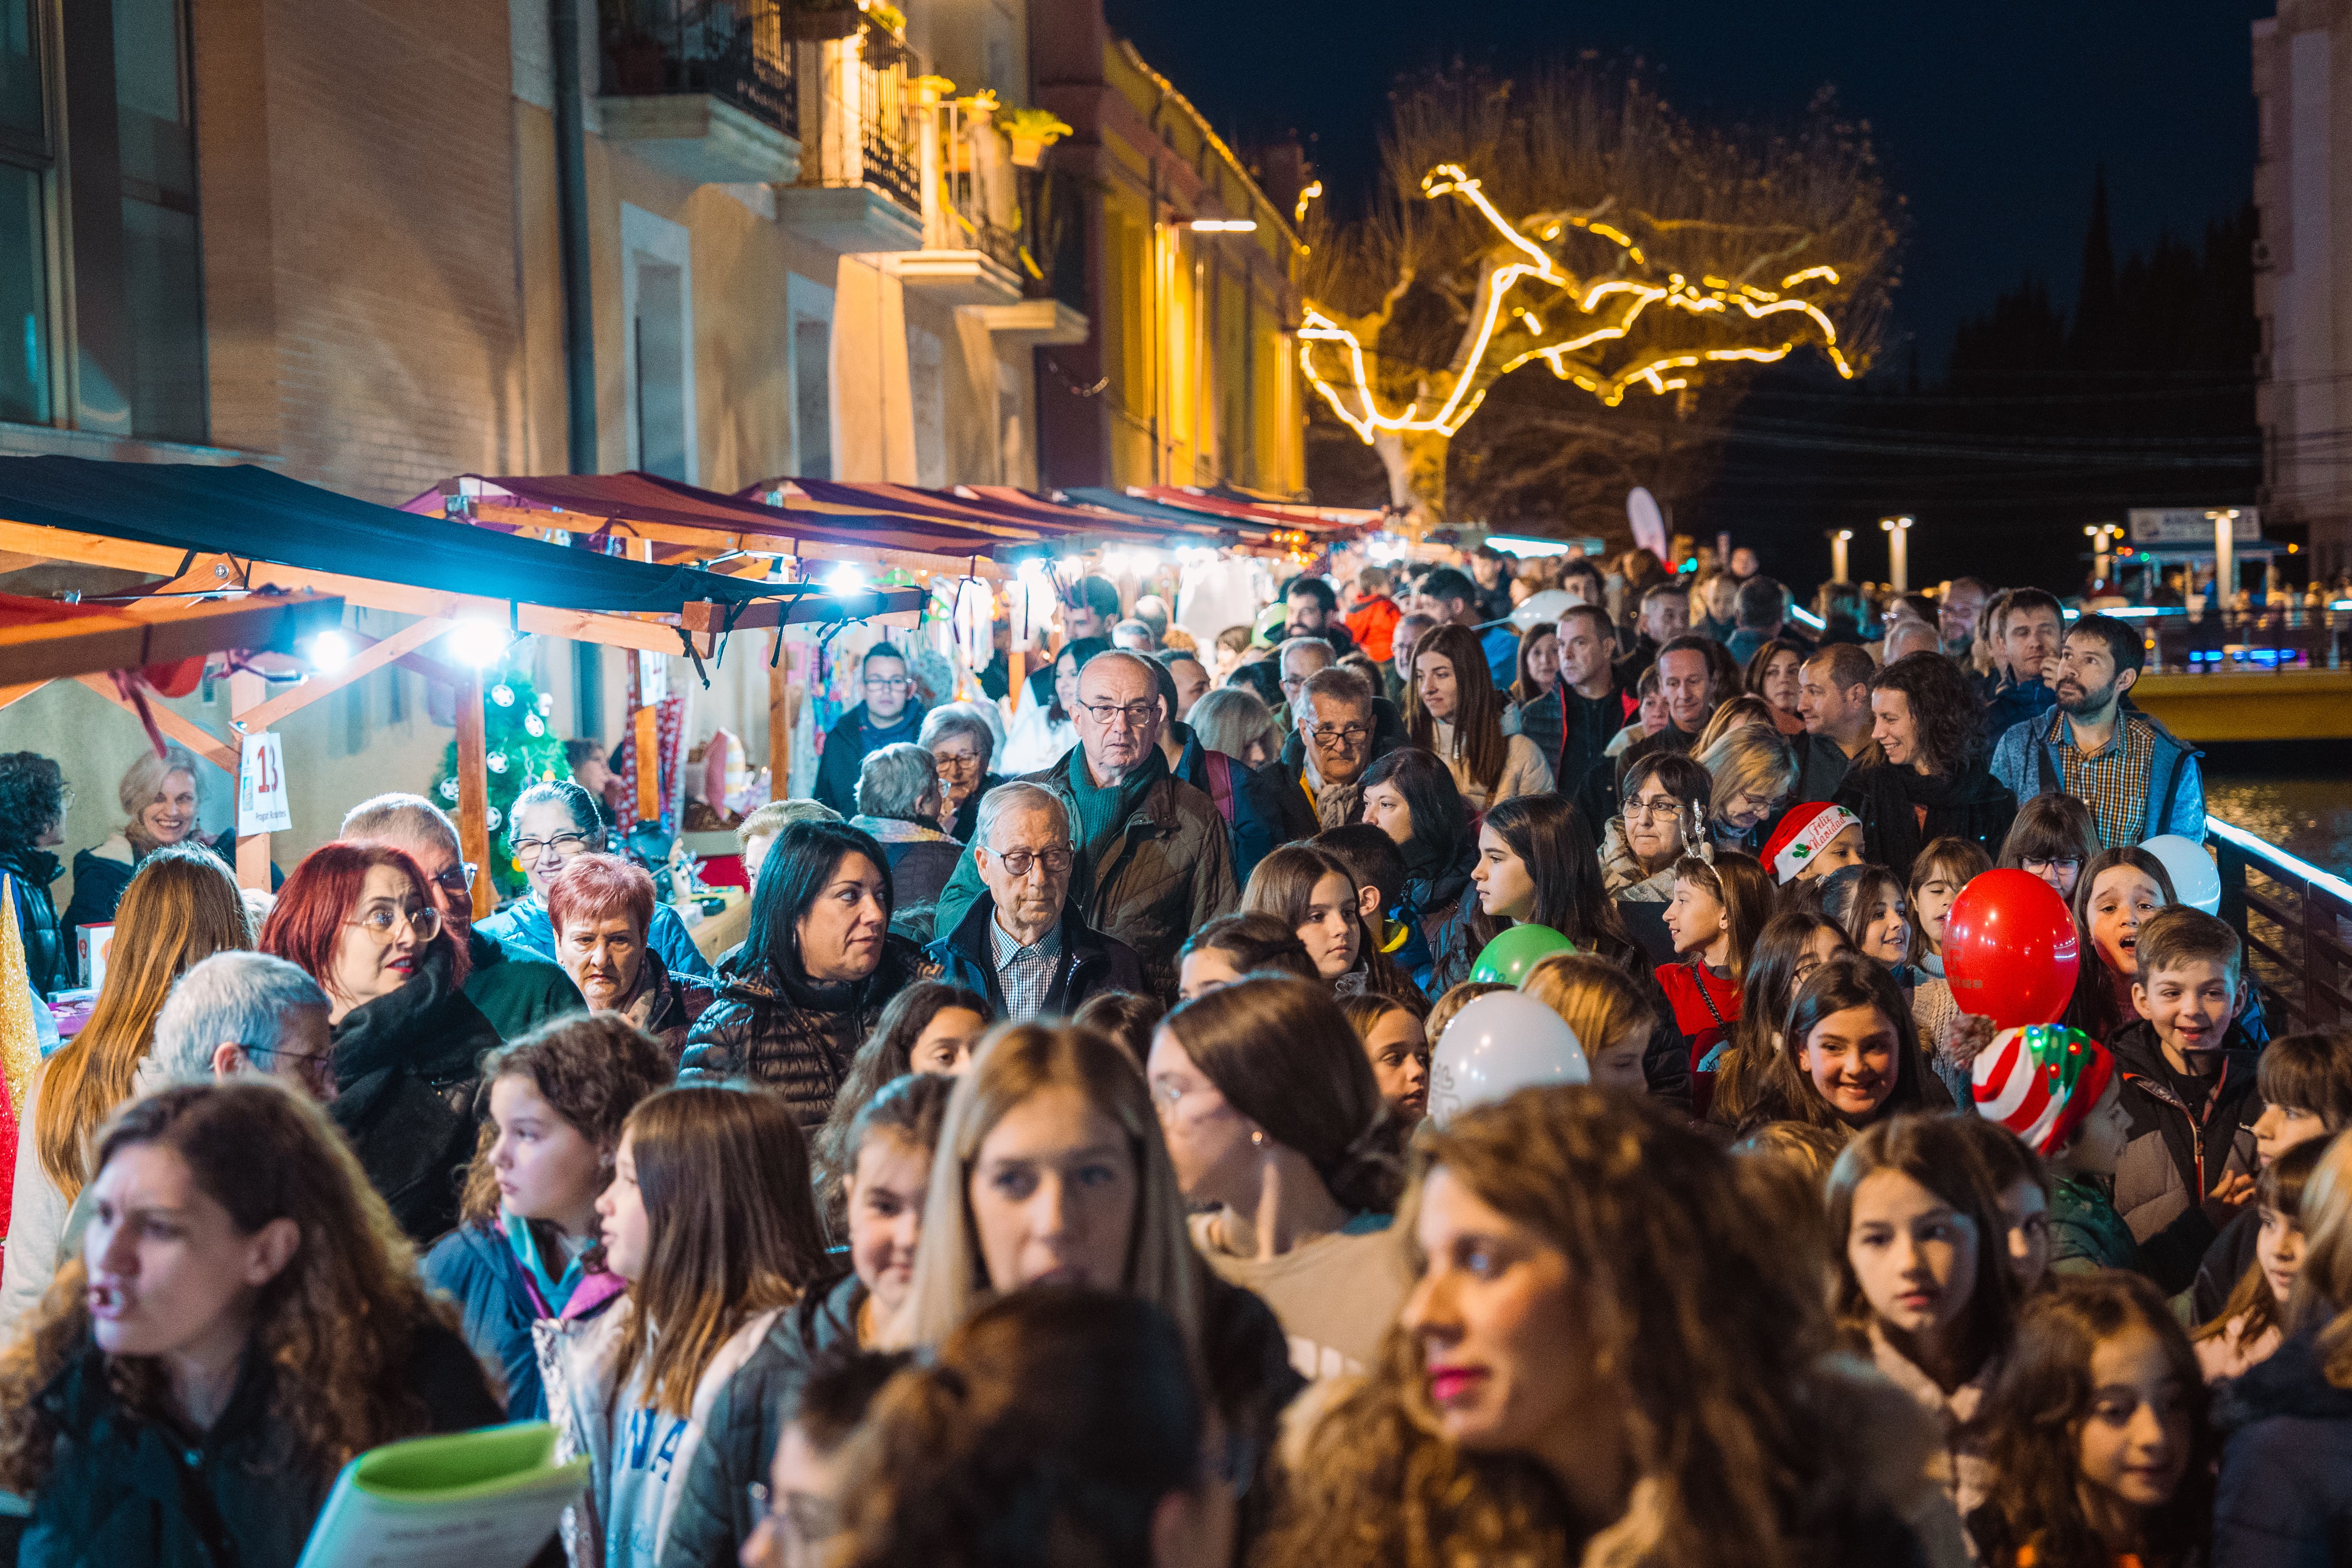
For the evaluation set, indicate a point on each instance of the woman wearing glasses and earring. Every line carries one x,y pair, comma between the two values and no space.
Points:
360,921
553,824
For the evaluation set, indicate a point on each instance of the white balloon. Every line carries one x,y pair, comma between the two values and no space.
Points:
1538,608
2196,880
1499,1043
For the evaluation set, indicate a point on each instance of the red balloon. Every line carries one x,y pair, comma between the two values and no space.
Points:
2011,950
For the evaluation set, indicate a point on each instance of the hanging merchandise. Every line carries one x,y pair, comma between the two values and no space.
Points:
975,625
662,722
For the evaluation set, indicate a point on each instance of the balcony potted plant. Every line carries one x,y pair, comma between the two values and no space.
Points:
820,21
1031,132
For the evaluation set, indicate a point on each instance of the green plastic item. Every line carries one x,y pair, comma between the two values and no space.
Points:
1507,958
486,1499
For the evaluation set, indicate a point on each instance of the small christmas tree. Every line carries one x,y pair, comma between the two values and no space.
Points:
521,750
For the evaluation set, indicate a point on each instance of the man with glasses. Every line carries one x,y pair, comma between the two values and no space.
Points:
517,990
239,1013
888,716
1153,862
1337,738
1024,945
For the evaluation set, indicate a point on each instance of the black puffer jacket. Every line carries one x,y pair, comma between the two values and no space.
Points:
50,961
797,1039
406,1066
127,1492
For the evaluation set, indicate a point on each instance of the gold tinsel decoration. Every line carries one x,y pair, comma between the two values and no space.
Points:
20,1042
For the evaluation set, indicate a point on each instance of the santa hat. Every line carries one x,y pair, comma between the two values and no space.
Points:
2041,1083
1804,833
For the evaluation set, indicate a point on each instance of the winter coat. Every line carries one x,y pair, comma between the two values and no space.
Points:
2011,702
1973,806
2086,1234
100,875
1963,1466
713,1517
1525,772
1822,767
129,1493
2177,1153
1262,808
517,995
1166,872
2224,1264
920,860
1091,962
476,1267
1372,624
1622,875
2285,1495
52,961
797,1039
1441,908
843,753
407,1068
2025,760
523,929
1572,731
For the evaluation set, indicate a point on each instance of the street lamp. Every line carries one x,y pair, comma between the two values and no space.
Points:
1898,552
2102,551
2225,557
1838,543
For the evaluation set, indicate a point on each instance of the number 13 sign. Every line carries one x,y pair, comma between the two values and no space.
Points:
261,804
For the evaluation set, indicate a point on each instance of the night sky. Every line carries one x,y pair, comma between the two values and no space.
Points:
1989,118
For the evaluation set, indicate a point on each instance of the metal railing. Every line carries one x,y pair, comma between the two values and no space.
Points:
2294,919
2281,636
971,187
886,163
731,50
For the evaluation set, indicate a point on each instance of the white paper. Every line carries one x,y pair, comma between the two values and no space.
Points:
261,801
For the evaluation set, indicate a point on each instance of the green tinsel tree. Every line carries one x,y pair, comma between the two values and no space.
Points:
521,748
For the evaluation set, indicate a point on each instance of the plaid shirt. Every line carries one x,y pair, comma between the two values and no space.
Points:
2112,781
1024,974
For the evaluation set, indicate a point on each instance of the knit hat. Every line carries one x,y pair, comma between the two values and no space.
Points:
1804,833
2041,1083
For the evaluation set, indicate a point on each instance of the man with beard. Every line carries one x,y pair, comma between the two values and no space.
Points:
2139,780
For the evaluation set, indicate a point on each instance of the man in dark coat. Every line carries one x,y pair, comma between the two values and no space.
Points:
1574,723
888,716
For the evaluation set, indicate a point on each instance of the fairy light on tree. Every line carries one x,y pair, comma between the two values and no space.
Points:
1575,221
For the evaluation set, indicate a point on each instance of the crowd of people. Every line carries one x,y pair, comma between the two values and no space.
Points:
1048,1176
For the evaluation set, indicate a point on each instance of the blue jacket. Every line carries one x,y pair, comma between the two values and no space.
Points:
1091,962
2009,702
475,1266
2026,762
523,929
2285,1497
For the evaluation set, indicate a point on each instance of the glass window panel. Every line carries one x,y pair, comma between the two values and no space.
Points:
157,150
160,283
23,299
20,72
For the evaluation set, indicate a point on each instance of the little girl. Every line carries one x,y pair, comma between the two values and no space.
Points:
1849,1057
1399,1048
1717,913
2119,888
1606,1011
1943,868
1868,902
2250,1325
2102,1451
526,1246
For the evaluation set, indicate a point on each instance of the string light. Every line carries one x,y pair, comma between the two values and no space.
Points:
1627,299
1314,188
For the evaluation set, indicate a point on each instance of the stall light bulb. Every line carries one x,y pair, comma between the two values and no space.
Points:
478,643
330,651
845,579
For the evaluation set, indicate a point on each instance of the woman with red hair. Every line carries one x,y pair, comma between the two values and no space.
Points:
360,919
600,907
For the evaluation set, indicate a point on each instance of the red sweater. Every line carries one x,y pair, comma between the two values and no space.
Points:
1701,1029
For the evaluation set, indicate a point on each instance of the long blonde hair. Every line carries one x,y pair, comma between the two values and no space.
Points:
180,908
2323,1288
1598,1001
1014,1063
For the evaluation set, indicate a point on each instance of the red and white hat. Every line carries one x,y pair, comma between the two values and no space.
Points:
1804,833
2041,1083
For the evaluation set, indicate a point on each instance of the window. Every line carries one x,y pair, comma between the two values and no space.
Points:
812,394
658,303
162,287
25,164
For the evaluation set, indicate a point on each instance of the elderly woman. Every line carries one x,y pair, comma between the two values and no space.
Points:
601,906
159,796
963,745
897,802
1235,721
553,822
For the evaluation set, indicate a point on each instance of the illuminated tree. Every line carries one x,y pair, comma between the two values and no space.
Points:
1574,221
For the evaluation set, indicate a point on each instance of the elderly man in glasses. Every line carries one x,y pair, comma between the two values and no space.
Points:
889,716
517,990
1025,945
1152,860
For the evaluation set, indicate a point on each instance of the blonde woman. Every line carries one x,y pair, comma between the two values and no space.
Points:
1453,710
1235,721
181,909
1753,772
158,793
1051,1169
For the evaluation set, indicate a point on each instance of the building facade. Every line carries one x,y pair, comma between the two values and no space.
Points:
374,246
2302,197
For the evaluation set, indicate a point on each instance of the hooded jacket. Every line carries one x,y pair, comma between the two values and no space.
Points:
476,1267
406,1066
2177,1151
2285,1497
1442,910
797,1039
1091,962
126,1493
1161,875
843,753
2025,760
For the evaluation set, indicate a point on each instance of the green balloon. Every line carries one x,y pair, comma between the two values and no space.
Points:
1509,956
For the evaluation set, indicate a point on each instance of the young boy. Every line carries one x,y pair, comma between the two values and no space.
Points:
804,1477
1372,616
1814,839
2189,1083
2058,1090
2304,1082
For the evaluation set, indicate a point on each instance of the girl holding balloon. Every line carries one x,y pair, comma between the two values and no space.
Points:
1943,868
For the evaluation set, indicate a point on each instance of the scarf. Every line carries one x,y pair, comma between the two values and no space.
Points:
895,831
1895,794
398,1029
1104,809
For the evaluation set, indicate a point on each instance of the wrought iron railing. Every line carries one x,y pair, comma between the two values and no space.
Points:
2294,919
731,50
886,162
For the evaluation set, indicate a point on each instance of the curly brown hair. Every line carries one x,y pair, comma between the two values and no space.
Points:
337,1326
1943,706
590,1070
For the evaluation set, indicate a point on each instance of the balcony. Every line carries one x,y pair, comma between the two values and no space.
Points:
861,188
705,91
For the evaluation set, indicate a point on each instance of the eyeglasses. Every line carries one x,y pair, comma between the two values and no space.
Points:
457,878
949,762
1332,737
1655,807
380,921
888,683
314,1068
1136,715
528,851
1017,862
803,1518
2036,864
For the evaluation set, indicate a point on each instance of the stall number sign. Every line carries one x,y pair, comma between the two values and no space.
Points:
261,805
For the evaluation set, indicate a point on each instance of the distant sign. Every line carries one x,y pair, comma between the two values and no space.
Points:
2189,525
1649,521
